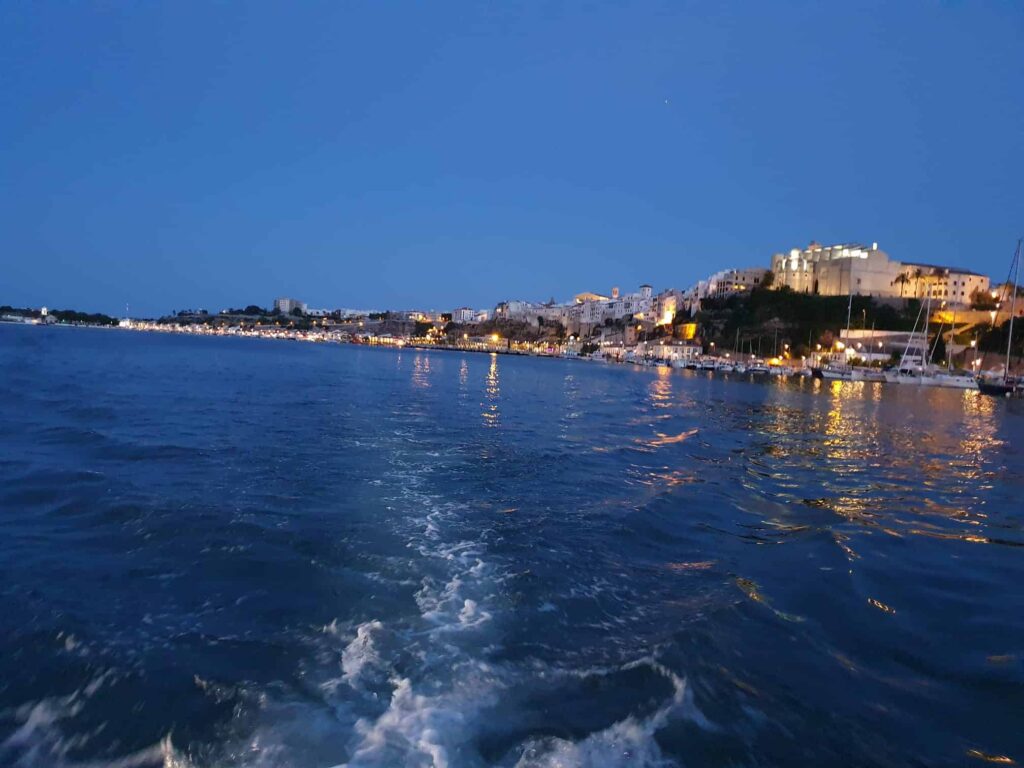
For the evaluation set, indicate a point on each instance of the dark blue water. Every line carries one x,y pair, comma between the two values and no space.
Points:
223,552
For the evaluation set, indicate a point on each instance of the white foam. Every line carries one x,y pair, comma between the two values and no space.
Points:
361,652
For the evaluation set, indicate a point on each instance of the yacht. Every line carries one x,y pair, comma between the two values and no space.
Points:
838,372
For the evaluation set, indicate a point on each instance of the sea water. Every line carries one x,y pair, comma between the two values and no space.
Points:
242,552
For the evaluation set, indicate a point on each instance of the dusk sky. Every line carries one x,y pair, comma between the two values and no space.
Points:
190,154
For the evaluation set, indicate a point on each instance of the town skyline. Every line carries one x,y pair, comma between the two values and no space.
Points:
159,162
884,277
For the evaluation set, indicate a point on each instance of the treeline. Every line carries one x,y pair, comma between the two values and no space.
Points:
69,316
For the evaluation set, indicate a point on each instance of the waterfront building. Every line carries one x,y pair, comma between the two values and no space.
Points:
875,346
463,315
665,306
582,298
516,309
285,305
732,281
726,282
637,305
839,270
952,285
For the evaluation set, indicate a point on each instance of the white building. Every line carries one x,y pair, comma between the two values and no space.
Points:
286,305
463,315
949,284
838,270
731,281
515,309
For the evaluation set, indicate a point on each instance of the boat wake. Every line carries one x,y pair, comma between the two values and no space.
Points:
429,686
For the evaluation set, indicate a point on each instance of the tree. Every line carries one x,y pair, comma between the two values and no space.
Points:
422,327
296,312
769,279
901,279
982,300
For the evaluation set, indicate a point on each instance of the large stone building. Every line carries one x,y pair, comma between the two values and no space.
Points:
839,270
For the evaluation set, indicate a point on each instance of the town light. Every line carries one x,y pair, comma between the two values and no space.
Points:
495,337
974,342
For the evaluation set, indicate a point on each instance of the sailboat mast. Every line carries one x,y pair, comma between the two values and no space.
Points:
927,322
1013,307
849,308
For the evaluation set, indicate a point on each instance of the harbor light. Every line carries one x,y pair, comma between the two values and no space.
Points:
495,337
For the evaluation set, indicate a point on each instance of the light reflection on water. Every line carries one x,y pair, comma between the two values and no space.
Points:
492,394
522,559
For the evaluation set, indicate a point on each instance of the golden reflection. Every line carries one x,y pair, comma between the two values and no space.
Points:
881,606
750,588
421,371
663,439
660,390
988,758
841,540
492,393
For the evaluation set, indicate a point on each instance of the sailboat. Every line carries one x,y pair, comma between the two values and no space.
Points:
924,373
840,371
1007,385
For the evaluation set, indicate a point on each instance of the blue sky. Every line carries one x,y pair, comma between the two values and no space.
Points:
189,154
